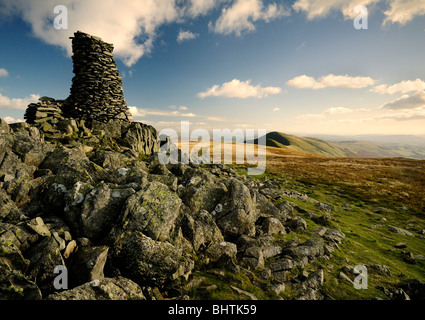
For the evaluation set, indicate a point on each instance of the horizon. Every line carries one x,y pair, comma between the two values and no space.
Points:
299,67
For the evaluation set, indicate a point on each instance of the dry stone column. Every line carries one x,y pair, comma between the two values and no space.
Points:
96,92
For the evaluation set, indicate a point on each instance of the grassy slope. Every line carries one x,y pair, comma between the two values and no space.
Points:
356,149
364,193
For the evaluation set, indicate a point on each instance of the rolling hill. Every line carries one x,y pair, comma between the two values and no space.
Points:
352,149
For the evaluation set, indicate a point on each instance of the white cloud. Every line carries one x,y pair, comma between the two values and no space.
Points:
218,119
17,103
3,73
130,25
403,11
239,89
338,110
321,8
311,116
330,112
241,16
181,108
399,11
330,80
186,35
416,101
405,86
276,109
139,112
12,120
201,7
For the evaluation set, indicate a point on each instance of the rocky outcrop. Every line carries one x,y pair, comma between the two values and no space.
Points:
111,218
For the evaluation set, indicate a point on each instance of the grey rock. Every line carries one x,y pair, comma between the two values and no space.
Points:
147,261
252,258
200,229
44,257
39,227
215,250
15,286
400,231
271,226
415,288
283,264
152,211
107,289
239,214
87,265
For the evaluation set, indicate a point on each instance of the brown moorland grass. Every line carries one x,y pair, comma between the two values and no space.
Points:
398,182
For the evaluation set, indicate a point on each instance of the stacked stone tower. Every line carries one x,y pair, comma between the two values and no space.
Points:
96,92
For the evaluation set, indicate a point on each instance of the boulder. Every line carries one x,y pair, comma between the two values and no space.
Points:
271,226
238,214
15,286
118,288
147,261
252,258
311,249
200,229
415,288
153,211
141,138
44,257
87,265
4,127
99,211
399,231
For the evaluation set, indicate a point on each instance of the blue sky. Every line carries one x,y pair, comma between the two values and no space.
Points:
293,66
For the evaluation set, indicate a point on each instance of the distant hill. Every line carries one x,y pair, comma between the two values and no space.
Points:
353,149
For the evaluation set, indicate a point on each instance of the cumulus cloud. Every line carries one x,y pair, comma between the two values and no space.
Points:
239,89
201,7
130,25
276,109
3,73
405,86
403,11
398,11
321,8
139,112
186,35
416,101
330,112
330,80
17,103
242,14
338,110
12,120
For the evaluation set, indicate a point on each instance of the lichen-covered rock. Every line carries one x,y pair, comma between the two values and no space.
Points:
153,211
96,212
87,265
44,257
238,214
200,229
15,286
118,288
147,261
141,138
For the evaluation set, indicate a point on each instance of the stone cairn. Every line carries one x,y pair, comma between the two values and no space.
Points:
96,92
48,109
